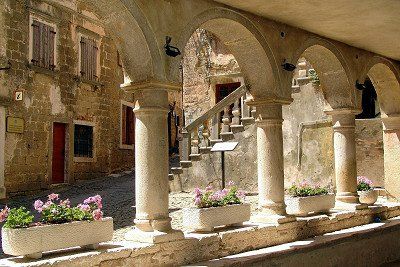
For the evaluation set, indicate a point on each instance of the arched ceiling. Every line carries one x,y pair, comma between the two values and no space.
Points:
368,24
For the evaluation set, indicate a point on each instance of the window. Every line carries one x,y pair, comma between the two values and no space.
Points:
88,57
43,45
83,141
127,126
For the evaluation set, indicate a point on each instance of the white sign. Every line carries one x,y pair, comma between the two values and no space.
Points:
224,146
18,96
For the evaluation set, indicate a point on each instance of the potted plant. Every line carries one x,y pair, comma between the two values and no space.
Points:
366,191
305,199
216,208
61,226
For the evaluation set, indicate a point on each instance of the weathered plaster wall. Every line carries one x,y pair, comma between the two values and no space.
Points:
316,164
58,97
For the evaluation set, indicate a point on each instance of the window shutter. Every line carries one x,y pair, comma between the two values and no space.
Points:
131,126
36,35
52,37
124,124
83,57
94,61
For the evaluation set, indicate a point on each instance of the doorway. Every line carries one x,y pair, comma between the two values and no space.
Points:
58,158
222,91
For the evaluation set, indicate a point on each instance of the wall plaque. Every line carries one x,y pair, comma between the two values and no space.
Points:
15,125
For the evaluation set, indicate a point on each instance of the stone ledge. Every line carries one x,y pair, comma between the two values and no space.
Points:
203,247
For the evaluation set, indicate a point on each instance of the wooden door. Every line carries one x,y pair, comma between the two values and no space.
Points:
58,159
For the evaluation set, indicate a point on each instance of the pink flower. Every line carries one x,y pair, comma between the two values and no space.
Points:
97,214
231,183
197,201
304,184
38,205
241,194
4,213
223,193
47,204
94,200
89,200
53,196
84,207
197,192
65,203
209,188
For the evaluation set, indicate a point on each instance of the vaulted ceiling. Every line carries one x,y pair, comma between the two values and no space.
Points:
373,25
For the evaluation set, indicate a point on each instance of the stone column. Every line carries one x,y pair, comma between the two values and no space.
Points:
152,221
343,121
391,145
270,162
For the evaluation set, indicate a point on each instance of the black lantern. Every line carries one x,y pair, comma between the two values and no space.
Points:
170,50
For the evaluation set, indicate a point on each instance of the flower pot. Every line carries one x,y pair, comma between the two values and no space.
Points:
32,241
204,220
368,197
303,206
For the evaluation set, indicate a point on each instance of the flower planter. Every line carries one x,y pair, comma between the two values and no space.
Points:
303,206
368,197
204,220
32,241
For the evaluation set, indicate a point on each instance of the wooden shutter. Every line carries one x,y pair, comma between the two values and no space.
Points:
36,36
131,126
95,50
89,51
123,122
52,37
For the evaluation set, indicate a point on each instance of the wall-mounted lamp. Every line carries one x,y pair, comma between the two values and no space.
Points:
170,50
288,66
8,66
360,86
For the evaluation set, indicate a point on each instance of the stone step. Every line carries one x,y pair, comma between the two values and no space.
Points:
176,170
205,150
237,128
372,244
186,164
195,157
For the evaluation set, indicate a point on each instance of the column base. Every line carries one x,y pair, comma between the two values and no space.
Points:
339,205
275,219
347,197
155,237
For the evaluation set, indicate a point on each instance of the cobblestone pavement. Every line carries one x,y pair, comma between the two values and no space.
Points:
118,196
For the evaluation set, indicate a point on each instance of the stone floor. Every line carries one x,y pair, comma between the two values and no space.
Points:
117,192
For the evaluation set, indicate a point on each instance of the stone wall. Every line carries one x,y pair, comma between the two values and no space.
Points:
60,96
307,133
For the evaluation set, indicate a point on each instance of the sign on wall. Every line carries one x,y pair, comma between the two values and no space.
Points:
15,125
18,96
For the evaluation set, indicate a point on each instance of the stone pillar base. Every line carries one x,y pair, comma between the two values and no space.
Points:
347,197
137,235
339,205
275,219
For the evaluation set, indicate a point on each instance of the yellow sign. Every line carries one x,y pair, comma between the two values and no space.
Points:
15,125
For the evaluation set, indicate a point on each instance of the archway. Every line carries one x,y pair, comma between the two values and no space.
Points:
137,43
385,78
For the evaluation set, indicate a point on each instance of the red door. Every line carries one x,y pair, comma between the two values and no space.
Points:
58,163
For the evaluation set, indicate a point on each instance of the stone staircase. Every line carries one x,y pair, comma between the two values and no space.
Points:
200,135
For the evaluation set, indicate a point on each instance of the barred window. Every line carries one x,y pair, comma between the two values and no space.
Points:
43,45
89,53
128,125
83,141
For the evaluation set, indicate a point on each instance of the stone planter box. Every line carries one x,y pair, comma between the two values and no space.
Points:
31,242
204,220
303,206
368,197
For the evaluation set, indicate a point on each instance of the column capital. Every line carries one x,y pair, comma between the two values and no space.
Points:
391,123
151,85
268,101
343,119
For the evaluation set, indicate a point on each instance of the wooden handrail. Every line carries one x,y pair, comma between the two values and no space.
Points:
228,100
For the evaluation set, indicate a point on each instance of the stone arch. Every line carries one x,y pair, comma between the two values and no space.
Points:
385,77
333,72
242,38
132,33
